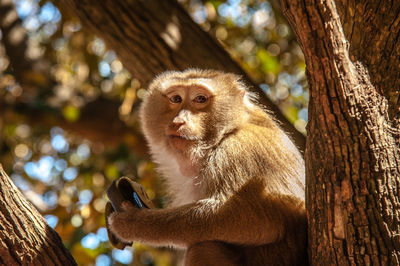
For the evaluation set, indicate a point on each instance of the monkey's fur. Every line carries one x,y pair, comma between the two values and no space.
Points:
236,179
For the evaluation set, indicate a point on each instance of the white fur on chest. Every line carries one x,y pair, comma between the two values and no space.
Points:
183,189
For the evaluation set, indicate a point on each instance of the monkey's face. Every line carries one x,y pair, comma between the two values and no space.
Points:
176,116
187,111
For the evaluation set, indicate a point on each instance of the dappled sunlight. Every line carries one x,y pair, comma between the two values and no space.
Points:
172,35
58,102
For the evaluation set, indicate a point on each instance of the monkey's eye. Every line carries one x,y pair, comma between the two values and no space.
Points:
200,99
175,99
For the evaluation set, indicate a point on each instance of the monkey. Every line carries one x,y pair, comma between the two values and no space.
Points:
236,180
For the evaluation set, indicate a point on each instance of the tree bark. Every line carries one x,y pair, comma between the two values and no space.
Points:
25,237
352,52
154,36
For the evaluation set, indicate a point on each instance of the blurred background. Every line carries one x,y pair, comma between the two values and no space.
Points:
55,78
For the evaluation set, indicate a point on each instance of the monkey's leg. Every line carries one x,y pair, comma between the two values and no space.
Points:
212,253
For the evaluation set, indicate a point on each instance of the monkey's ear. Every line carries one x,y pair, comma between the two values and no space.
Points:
242,93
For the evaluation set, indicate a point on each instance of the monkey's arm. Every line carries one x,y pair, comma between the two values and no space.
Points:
239,220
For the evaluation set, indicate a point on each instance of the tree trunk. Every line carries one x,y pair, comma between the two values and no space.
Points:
25,237
352,51
154,36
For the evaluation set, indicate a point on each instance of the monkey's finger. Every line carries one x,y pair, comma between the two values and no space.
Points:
127,206
110,219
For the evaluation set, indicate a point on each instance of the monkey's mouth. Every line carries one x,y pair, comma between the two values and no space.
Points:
180,142
178,137
181,136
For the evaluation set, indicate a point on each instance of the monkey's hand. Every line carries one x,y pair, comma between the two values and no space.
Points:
122,224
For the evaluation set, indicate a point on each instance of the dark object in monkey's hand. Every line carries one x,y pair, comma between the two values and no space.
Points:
124,189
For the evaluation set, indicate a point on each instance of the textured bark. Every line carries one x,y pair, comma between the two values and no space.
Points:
352,51
154,36
25,237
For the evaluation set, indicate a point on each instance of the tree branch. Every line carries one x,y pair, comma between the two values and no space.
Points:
153,36
25,237
105,128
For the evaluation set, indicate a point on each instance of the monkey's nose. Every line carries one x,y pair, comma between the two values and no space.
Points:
175,126
178,123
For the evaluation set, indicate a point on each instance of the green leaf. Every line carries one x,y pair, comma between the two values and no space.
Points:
71,113
268,62
111,171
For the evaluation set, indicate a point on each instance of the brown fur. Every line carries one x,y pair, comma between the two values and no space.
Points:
236,179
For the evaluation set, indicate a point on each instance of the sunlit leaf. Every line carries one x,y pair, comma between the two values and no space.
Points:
291,114
268,62
71,113
111,171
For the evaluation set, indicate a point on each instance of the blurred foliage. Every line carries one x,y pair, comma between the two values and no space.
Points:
64,171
